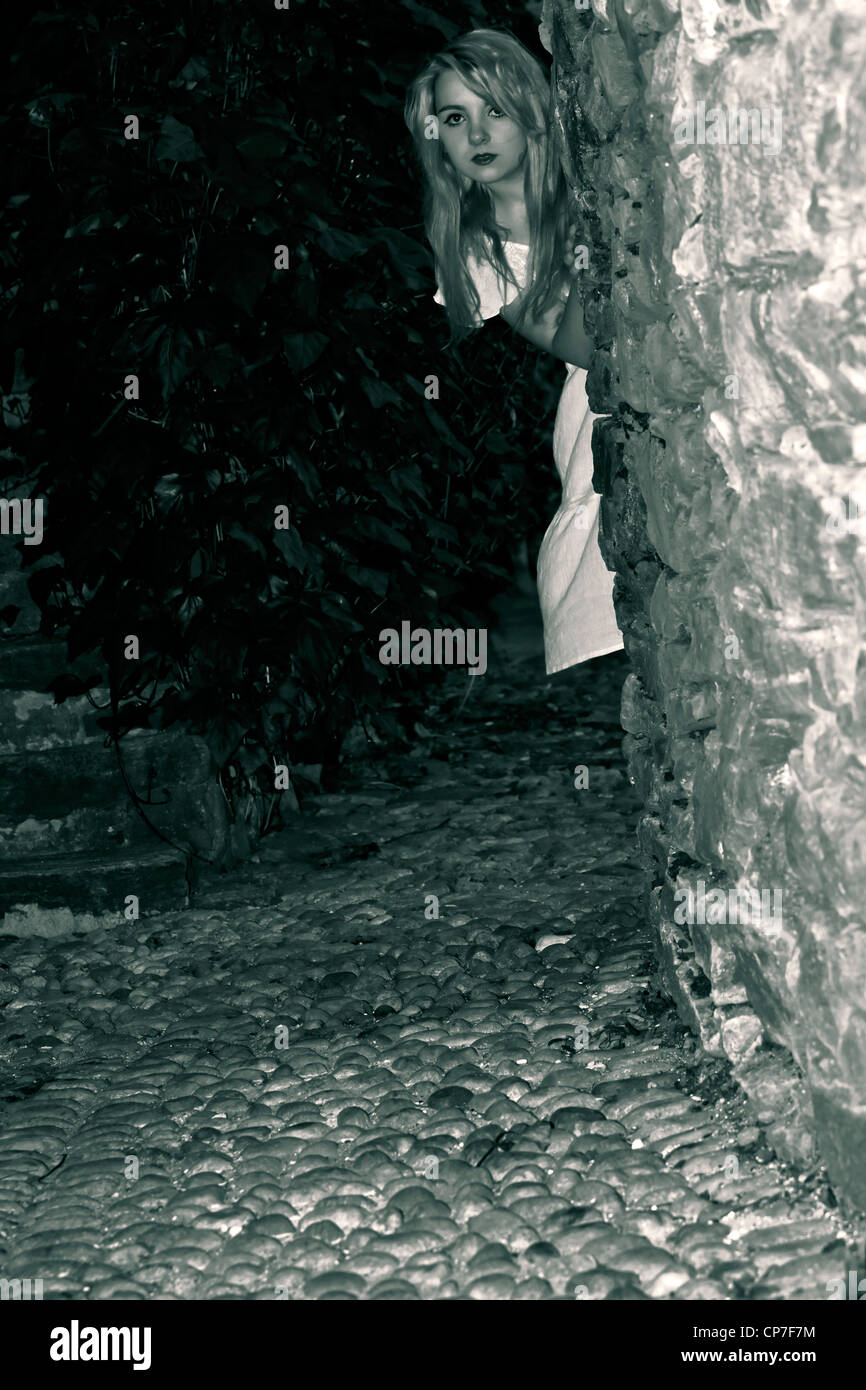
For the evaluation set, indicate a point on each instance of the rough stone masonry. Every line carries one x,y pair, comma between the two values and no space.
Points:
717,153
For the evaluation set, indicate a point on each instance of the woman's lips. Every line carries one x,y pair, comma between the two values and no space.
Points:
483,158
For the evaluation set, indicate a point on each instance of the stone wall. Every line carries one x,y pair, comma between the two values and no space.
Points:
725,289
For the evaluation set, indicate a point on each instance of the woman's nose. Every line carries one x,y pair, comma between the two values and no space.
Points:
478,136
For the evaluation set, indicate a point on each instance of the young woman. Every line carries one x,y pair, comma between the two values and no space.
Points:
496,215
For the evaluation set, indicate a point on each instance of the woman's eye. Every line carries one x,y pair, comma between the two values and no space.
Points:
455,116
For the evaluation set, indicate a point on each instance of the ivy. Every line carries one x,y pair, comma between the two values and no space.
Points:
258,387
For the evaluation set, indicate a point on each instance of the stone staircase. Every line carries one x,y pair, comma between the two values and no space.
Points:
74,852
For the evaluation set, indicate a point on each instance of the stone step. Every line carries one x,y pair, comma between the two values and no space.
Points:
30,719
100,829
30,662
46,794
90,884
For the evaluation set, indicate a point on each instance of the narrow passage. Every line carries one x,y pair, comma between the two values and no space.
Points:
311,1085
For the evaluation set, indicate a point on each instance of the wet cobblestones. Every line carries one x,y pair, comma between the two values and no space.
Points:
312,1086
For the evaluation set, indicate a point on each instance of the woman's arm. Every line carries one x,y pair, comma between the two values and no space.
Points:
540,331
562,334
570,342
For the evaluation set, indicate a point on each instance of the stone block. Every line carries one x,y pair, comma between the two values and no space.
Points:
741,1032
45,793
42,896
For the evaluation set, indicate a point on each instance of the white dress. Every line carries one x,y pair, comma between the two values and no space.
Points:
575,587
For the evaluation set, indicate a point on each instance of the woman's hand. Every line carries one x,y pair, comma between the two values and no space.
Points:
572,255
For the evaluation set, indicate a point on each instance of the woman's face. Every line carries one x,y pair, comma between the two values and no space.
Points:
480,140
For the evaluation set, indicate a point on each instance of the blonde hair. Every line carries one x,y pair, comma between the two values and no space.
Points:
459,214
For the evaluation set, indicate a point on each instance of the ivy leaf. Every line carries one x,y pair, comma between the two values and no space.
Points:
339,613
242,270
223,737
168,489
409,257
263,143
174,357
365,578
448,561
220,364
291,547
379,393
195,71
309,191
341,246
307,475
495,441
302,349
442,530
239,533
425,15
67,685
375,529
197,564
177,141
410,479
447,436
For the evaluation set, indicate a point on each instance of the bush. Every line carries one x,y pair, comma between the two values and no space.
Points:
226,321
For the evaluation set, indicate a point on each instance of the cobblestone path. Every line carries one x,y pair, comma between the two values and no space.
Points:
311,1086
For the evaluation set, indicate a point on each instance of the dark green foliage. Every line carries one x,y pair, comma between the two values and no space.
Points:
259,387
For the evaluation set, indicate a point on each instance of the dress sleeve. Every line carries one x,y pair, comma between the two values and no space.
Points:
492,292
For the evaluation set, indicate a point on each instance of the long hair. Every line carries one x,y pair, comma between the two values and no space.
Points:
459,214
